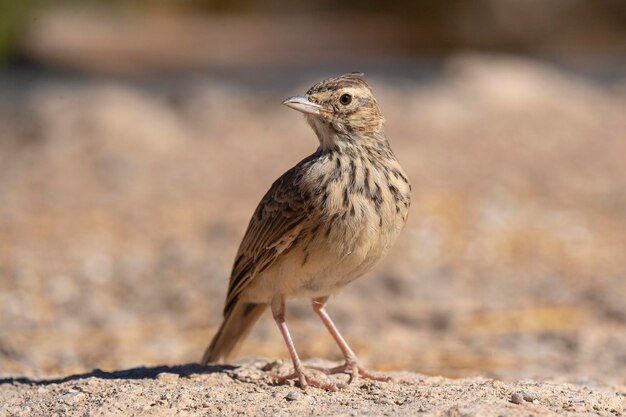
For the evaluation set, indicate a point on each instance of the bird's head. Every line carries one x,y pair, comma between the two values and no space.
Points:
340,109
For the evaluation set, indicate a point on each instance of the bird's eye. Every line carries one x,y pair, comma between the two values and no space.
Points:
345,99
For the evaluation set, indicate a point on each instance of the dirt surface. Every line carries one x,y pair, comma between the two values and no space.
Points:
122,202
248,389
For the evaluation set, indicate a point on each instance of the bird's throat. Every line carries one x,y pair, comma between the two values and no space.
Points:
324,132
330,139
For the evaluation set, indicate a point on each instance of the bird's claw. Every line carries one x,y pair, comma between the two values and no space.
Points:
305,380
354,371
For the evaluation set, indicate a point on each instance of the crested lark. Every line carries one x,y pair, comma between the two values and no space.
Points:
321,225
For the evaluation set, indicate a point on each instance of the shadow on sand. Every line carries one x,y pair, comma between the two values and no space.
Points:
132,373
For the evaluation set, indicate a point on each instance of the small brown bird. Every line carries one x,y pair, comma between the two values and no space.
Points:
322,224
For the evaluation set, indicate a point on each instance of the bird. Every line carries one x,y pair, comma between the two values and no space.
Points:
322,224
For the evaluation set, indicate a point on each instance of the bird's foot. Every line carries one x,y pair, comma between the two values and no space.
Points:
305,380
354,370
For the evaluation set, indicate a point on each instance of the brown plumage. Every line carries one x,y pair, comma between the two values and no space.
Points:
322,224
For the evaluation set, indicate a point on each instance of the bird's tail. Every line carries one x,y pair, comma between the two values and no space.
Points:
237,323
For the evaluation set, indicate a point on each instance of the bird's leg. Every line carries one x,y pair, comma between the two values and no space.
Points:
278,311
351,366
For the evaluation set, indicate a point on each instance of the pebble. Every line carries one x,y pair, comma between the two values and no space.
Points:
167,377
272,365
73,398
292,396
529,396
517,398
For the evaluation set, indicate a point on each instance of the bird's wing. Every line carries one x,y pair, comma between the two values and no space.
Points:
275,225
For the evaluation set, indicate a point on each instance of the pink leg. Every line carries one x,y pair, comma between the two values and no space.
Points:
351,365
278,311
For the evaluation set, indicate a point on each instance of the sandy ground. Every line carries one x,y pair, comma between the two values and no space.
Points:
122,202
247,389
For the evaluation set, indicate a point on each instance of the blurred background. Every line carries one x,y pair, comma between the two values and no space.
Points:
137,137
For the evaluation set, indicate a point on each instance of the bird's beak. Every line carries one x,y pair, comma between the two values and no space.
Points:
302,104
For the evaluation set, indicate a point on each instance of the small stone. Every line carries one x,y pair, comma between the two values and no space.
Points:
517,398
73,397
292,396
529,396
167,377
272,365
92,381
